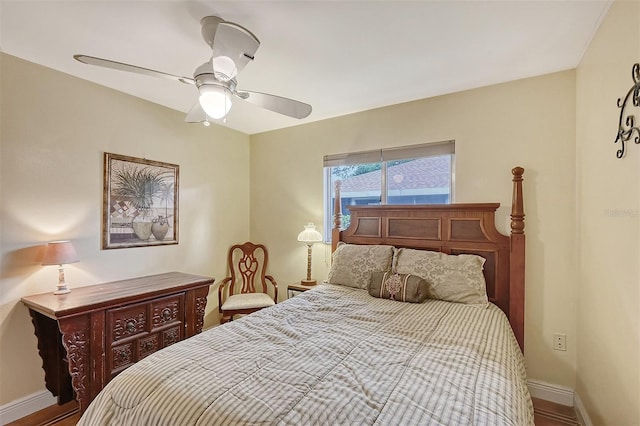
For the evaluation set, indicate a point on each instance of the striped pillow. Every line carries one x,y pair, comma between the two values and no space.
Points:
400,287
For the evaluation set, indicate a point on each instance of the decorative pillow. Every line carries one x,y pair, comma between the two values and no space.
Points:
400,287
352,265
455,278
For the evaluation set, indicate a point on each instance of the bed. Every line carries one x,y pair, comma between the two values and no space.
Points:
376,344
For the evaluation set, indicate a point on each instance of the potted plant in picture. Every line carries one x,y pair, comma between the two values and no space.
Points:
138,186
160,225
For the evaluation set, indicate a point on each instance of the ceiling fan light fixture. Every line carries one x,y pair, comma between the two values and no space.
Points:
224,68
232,48
215,100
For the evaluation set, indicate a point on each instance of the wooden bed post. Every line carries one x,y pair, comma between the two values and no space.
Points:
516,285
337,218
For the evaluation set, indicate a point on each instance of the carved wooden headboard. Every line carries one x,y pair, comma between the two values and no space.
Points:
452,229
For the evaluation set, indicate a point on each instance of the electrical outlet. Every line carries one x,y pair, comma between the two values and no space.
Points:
560,342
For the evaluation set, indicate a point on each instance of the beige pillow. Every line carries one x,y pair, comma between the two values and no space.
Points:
400,287
455,278
352,264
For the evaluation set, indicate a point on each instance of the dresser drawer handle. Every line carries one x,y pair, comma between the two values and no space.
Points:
131,325
148,346
166,314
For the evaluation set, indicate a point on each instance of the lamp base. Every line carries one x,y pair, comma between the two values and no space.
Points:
62,289
62,284
308,282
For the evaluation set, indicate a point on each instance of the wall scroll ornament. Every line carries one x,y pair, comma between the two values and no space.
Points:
627,125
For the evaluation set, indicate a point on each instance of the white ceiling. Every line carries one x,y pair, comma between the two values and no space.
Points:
339,56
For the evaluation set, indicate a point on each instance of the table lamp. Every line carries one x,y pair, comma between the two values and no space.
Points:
60,253
309,236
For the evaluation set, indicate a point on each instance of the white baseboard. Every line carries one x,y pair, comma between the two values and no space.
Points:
25,406
550,392
581,411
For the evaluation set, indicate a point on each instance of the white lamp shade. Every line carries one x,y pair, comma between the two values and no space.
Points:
310,234
215,100
60,253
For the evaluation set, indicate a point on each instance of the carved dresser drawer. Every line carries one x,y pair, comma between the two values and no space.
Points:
127,322
140,329
88,336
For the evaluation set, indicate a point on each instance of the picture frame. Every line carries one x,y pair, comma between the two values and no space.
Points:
140,202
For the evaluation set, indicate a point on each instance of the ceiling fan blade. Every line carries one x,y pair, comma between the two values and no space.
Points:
107,63
196,115
236,43
285,106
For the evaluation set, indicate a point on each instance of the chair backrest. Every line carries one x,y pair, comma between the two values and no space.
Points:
248,267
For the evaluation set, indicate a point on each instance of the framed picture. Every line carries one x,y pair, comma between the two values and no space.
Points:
140,202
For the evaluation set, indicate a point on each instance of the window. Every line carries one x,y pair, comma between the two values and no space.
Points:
417,174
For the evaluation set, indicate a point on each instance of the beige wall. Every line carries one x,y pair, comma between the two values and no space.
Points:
528,122
608,189
54,130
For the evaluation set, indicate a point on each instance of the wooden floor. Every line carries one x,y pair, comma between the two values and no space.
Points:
551,414
546,414
58,415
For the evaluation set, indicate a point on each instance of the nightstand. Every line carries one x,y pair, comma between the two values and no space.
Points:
296,289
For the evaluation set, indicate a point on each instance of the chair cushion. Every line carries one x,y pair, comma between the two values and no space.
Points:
247,301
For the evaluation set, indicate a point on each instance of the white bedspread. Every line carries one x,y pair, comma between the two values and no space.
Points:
333,356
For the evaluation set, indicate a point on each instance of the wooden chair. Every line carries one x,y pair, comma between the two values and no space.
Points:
237,293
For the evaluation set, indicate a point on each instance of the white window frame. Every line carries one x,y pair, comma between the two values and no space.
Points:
382,156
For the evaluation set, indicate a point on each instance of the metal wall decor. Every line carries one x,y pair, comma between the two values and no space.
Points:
627,125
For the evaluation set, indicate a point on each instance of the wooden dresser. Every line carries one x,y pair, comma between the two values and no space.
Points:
88,336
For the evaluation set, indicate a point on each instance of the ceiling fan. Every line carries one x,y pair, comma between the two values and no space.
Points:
233,47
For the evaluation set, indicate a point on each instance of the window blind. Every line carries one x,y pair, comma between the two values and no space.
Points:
389,154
